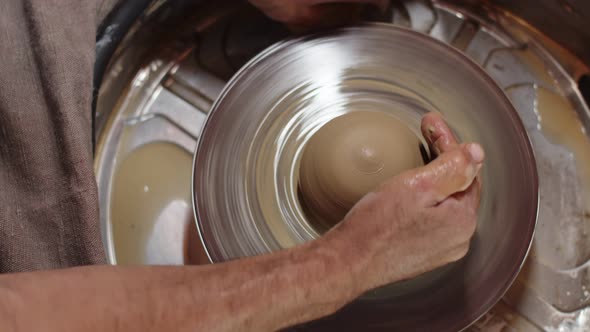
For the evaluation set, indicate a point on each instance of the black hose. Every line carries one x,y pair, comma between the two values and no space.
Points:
109,34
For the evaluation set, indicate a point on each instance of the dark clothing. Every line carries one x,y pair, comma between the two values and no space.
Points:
48,194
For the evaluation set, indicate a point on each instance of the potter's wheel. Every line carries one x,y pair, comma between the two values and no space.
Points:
251,147
155,123
246,170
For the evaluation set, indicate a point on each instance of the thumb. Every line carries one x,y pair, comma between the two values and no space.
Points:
452,172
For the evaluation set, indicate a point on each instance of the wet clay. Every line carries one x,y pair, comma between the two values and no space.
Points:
350,156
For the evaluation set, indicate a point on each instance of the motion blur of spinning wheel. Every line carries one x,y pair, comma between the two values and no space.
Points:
176,57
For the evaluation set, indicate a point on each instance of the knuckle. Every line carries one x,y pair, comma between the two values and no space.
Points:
459,159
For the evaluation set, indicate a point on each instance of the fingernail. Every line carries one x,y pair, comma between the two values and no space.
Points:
476,152
430,132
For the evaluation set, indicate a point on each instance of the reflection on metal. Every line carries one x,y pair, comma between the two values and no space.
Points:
146,117
553,291
495,51
422,15
465,35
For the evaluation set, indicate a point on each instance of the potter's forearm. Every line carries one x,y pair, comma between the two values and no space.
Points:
283,289
258,294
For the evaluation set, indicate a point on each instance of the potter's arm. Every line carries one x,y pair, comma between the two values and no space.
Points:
410,225
257,294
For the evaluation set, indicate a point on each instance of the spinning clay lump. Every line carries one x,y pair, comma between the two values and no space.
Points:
349,157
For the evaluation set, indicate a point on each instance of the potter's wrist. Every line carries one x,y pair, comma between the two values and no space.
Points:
350,261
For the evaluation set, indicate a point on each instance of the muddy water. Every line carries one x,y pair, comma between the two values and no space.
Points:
151,210
554,119
561,125
563,151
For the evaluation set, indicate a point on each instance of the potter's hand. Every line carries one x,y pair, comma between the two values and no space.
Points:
307,13
417,221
